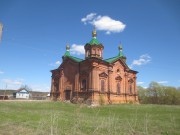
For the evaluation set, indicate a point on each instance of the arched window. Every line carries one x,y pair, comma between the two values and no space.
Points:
130,88
118,88
100,53
87,53
131,82
83,85
102,86
94,51
97,51
56,84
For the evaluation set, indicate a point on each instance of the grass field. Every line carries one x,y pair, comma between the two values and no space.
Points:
56,118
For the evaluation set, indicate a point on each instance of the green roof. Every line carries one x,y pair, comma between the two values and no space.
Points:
120,55
94,41
67,53
110,60
75,59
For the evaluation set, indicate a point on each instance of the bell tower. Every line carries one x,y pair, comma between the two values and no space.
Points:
94,49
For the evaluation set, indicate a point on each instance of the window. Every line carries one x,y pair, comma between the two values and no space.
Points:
83,85
131,82
102,86
94,51
130,88
87,53
97,51
100,54
118,88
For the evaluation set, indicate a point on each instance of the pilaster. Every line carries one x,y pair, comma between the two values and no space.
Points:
52,86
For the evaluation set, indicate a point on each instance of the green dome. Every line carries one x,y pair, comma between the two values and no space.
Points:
94,41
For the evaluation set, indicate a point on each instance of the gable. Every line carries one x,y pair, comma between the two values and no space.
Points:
119,64
130,80
115,59
118,78
103,74
68,63
22,91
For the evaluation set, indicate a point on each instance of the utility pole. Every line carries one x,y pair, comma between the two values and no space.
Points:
5,92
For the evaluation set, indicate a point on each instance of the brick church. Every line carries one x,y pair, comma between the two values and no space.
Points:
93,79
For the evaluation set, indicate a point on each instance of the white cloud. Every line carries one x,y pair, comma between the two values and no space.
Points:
108,32
109,25
104,23
140,82
18,82
77,49
57,63
40,87
163,82
13,82
143,59
89,17
1,72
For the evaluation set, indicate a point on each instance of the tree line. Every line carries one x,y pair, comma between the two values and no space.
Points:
159,94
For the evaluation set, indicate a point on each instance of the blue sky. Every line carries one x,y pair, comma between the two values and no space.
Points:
35,34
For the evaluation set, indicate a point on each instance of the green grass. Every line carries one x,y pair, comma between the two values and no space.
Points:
56,118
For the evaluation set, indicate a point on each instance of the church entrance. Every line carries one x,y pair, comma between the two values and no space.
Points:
67,94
